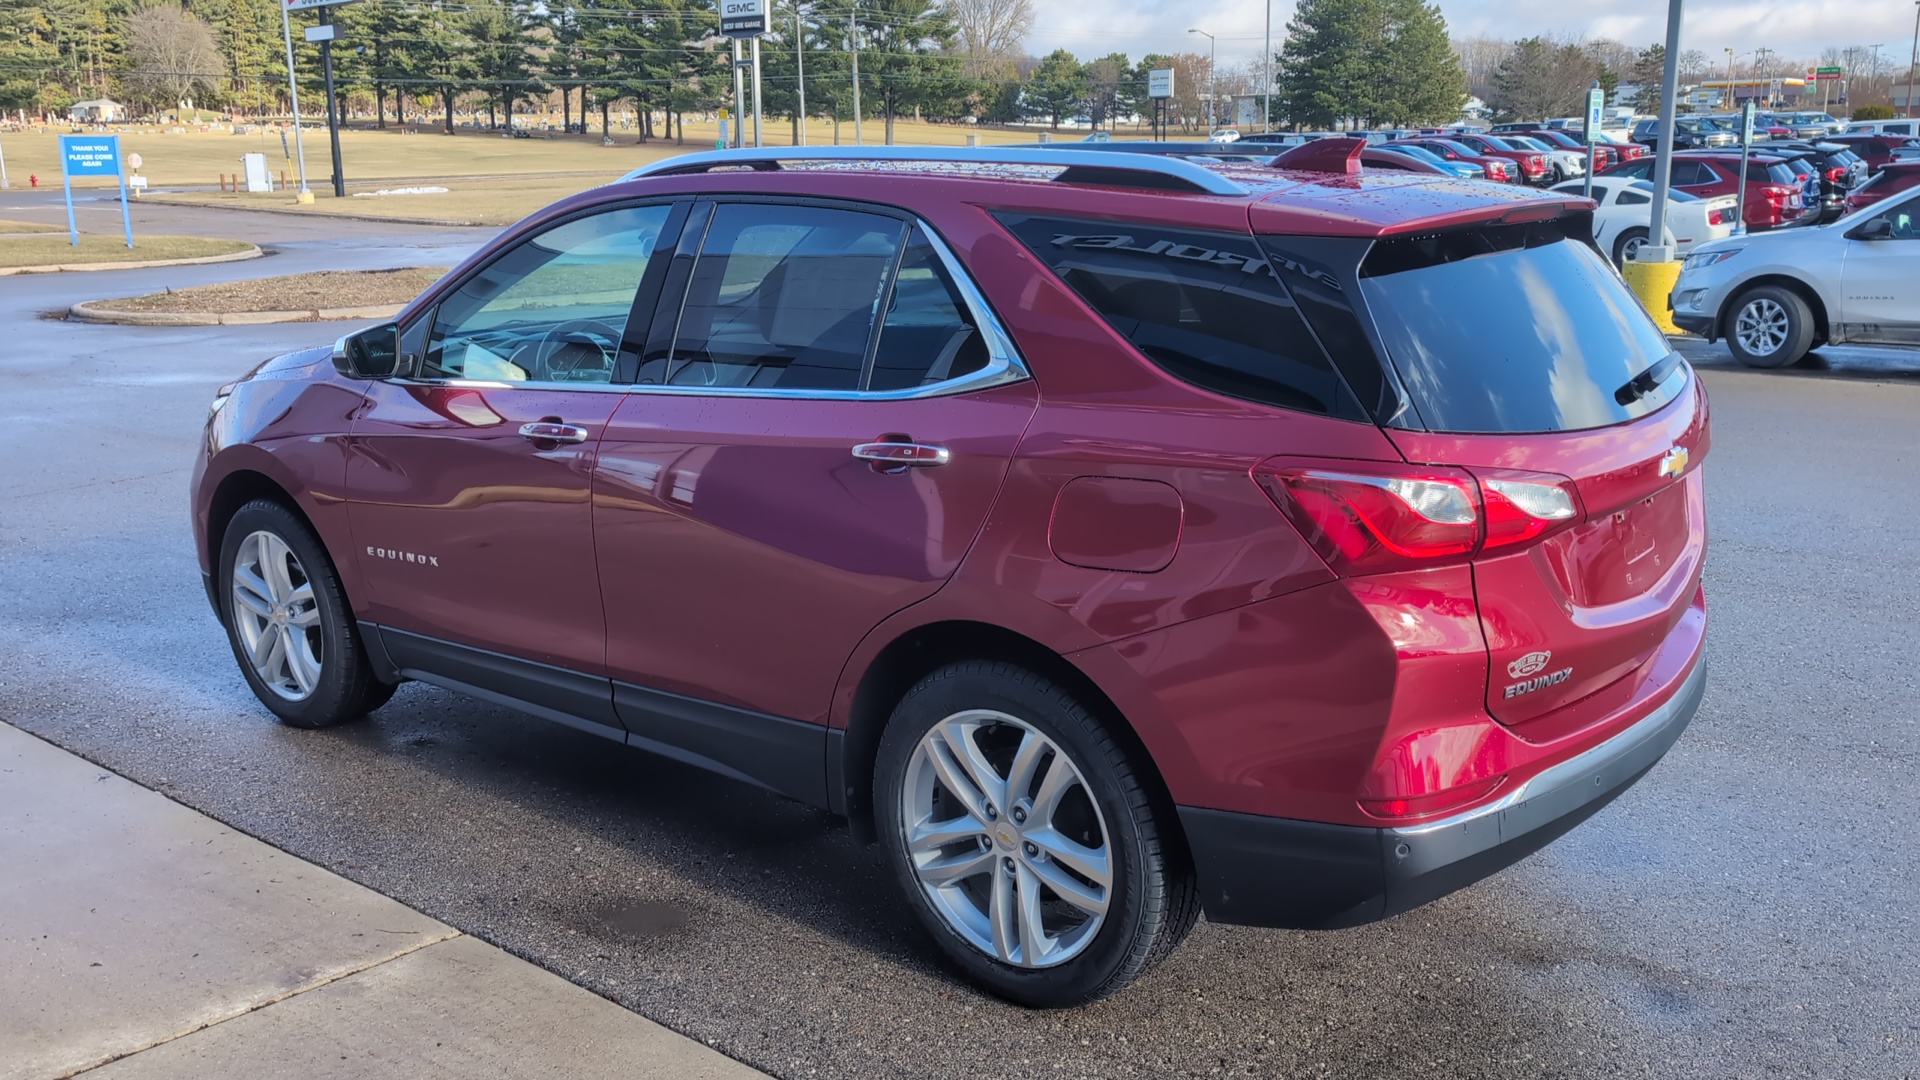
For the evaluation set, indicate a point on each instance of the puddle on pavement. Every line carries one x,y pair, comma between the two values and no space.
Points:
640,919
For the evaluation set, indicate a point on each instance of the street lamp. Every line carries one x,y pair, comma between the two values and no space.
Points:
1213,77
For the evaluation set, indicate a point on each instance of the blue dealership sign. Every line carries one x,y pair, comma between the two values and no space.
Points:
92,155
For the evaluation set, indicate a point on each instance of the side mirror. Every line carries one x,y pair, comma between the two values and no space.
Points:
369,354
1877,229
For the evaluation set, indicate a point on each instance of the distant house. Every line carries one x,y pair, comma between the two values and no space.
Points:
97,111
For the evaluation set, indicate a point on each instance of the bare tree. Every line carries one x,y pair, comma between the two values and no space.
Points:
1480,57
171,54
992,33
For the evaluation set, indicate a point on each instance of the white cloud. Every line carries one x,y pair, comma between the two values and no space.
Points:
1798,30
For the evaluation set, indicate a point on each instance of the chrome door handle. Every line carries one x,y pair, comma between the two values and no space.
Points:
549,431
901,455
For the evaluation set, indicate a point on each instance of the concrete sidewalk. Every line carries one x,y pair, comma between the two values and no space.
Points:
139,938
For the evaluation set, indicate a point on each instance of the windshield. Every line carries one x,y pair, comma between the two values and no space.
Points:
1416,153
1516,328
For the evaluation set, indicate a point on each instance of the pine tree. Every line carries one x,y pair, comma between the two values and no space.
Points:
1376,62
1056,88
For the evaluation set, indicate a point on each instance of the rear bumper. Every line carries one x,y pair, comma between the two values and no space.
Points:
1263,871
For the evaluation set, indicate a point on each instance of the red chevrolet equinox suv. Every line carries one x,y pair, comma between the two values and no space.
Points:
1111,537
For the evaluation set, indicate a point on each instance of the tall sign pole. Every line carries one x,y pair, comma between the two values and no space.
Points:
1159,90
745,20
293,92
333,100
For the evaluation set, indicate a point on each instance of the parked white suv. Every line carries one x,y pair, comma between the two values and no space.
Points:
1775,295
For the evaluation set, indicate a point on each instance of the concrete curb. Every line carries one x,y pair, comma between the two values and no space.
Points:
89,314
237,256
323,214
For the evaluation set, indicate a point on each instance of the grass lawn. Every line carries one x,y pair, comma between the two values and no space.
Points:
7,227
197,157
479,202
53,249
289,292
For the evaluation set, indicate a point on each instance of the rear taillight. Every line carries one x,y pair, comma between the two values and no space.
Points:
1716,217
1775,194
1368,518
1835,174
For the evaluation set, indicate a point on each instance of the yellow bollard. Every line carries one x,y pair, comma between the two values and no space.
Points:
1653,283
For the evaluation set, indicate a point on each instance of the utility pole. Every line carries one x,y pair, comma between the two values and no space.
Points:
1213,79
1730,55
800,65
739,98
854,26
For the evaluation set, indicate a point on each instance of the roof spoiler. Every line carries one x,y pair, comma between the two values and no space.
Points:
1323,155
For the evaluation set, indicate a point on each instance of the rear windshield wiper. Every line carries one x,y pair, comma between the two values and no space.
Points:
1644,383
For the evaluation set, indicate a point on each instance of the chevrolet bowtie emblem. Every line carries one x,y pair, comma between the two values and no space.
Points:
1674,462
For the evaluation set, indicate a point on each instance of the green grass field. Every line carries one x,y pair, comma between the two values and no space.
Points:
490,180
53,250
8,227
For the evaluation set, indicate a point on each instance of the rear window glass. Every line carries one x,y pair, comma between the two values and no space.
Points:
1515,328
1782,173
1206,307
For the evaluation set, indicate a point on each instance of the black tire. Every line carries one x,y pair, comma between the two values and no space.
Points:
1781,327
345,687
1152,902
1624,241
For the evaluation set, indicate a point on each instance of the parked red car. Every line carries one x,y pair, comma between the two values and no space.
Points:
1603,153
1112,537
1879,151
1499,169
1534,166
1890,180
1776,190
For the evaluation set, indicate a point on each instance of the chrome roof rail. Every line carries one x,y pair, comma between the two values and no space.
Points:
1081,163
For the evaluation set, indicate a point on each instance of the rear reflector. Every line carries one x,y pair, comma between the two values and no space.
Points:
1372,517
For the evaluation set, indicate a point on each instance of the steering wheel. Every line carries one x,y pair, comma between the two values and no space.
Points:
579,350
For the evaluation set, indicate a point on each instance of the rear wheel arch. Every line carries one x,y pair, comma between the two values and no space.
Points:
924,649
1805,291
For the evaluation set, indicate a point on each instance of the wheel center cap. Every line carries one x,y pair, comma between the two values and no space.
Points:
1006,837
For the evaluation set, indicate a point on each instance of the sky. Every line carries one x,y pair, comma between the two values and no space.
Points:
1802,29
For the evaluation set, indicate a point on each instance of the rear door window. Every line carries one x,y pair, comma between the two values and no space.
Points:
1206,307
1516,328
784,296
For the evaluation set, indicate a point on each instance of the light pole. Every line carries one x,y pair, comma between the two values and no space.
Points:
800,68
1873,69
1266,74
1213,77
1913,58
1730,55
854,28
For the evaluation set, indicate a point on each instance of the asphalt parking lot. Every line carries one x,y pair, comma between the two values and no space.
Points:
1747,909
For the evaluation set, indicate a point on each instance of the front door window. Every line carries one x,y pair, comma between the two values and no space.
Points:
553,309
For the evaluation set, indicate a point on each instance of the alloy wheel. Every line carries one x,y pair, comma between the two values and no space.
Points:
1006,839
1761,326
276,616
1631,249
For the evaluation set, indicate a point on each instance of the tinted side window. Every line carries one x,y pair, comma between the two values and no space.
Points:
1206,307
553,308
1633,198
928,334
784,297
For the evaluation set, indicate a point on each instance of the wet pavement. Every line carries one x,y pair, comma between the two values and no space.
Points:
1746,909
